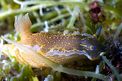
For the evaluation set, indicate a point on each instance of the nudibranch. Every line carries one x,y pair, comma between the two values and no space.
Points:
57,47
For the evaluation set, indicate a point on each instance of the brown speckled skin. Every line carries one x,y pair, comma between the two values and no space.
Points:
60,42
63,43
54,41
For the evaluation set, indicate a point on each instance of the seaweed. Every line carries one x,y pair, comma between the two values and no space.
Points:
99,18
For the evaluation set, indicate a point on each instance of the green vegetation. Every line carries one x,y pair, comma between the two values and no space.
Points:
101,19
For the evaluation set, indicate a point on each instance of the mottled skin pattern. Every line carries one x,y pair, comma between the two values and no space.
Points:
50,41
55,41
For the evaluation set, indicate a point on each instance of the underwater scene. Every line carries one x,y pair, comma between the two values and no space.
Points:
60,40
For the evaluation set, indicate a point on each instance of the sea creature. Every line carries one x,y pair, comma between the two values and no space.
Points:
57,47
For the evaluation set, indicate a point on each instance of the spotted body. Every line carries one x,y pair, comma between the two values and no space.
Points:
57,44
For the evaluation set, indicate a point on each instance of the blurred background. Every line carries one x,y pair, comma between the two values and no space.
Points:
61,15
64,17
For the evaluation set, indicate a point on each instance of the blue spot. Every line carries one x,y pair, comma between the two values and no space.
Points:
94,47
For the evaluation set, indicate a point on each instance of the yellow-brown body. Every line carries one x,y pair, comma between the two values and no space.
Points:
63,43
